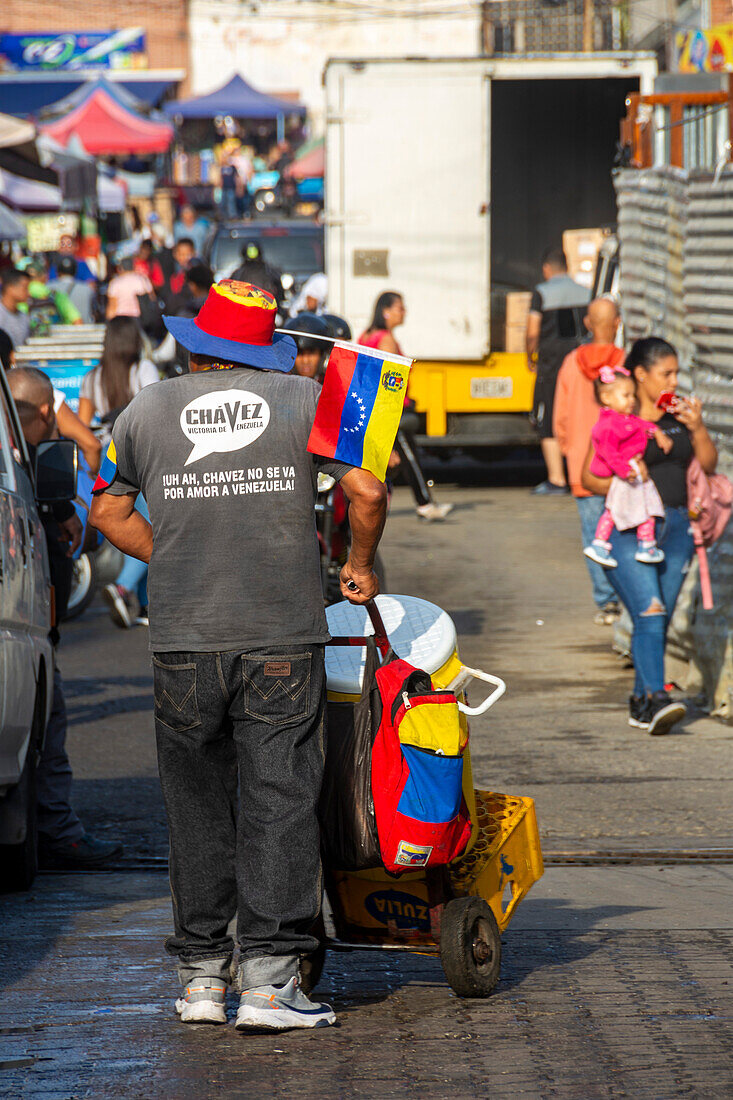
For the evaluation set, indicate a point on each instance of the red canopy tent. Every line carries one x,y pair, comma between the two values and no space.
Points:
107,127
310,165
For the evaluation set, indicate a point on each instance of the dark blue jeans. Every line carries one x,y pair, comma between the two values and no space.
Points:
57,822
240,750
590,510
644,588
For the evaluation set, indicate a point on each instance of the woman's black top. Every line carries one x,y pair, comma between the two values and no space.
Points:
669,472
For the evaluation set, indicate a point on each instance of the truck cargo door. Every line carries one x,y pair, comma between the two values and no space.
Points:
407,200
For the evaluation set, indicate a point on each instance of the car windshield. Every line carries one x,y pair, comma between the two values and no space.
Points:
300,254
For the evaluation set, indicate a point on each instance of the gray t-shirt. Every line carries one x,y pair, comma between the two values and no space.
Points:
221,459
17,325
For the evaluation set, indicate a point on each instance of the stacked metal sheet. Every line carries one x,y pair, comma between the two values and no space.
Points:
652,226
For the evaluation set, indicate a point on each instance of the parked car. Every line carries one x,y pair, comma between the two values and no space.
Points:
26,654
295,248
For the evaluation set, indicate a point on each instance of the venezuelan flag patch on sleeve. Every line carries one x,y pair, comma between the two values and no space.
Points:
107,471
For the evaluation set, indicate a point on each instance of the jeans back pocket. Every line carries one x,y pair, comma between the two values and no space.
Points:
277,689
176,705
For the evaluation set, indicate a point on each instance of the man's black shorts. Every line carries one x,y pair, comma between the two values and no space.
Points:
544,399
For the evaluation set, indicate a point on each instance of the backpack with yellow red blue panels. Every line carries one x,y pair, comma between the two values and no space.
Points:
417,771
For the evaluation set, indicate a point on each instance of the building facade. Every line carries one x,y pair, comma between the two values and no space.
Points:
282,46
165,23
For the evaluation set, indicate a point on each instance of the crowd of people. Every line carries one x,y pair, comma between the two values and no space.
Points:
630,445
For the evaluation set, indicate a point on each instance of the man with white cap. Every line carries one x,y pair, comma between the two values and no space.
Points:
237,630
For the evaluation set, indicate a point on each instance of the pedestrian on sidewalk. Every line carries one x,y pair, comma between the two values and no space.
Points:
14,293
389,313
105,391
237,630
126,288
650,591
62,840
576,411
554,329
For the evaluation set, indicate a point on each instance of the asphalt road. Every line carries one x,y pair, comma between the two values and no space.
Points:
617,980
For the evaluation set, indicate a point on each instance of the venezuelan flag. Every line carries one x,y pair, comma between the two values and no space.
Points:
107,471
360,407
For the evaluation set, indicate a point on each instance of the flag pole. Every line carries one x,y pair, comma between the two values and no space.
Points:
389,356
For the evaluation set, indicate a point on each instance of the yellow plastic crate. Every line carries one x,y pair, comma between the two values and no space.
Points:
505,853
376,907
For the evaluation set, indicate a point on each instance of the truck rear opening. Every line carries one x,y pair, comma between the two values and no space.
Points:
552,150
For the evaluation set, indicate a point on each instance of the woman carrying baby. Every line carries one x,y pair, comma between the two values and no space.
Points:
650,589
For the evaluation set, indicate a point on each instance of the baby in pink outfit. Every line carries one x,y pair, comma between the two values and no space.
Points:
619,440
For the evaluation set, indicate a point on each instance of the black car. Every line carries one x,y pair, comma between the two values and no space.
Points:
294,248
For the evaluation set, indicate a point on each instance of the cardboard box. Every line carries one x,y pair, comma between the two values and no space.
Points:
515,338
517,307
581,250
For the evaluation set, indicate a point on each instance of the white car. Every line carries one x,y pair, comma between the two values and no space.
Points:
26,653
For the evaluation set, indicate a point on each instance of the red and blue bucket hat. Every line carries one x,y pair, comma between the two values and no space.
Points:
236,323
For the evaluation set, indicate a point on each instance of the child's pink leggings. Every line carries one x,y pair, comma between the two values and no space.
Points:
644,532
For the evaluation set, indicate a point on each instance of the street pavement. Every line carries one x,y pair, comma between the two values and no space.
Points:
617,976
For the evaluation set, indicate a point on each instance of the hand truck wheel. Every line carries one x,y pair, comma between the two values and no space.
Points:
470,947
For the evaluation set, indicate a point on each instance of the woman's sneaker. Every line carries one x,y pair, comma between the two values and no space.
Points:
120,604
649,553
600,551
203,1002
434,512
281,1007
663,713
608,614
639,712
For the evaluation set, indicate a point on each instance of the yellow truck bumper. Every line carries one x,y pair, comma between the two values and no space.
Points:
501,383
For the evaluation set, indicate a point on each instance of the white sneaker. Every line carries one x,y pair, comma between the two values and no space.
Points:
433,511
281,1007
119,602
203,1002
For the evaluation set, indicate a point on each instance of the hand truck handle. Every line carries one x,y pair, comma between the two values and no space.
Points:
465,676
380,632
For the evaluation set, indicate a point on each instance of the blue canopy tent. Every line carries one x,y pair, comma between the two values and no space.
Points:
117,92
238,99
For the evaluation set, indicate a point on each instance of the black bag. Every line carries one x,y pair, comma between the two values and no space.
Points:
349,840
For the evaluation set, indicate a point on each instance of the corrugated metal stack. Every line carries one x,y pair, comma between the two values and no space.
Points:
676,249
652,227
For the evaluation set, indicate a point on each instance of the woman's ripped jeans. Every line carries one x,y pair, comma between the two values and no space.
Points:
650,592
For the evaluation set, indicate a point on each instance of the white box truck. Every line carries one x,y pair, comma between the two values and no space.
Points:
446,180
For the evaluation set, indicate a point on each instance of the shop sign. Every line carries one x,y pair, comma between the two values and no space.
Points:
708,51
123,49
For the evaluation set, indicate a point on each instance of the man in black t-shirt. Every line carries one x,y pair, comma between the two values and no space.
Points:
554,329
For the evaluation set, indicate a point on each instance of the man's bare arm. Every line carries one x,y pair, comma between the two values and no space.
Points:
73,427
125,528
532,339
367,514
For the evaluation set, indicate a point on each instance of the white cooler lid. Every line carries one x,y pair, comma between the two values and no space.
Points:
419,632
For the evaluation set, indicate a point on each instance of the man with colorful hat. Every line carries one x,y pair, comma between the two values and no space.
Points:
237,630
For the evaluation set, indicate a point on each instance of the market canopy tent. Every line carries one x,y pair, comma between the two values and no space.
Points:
107,126
309,163
11,227
15,132
236,98
79,95
75,168
28,195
